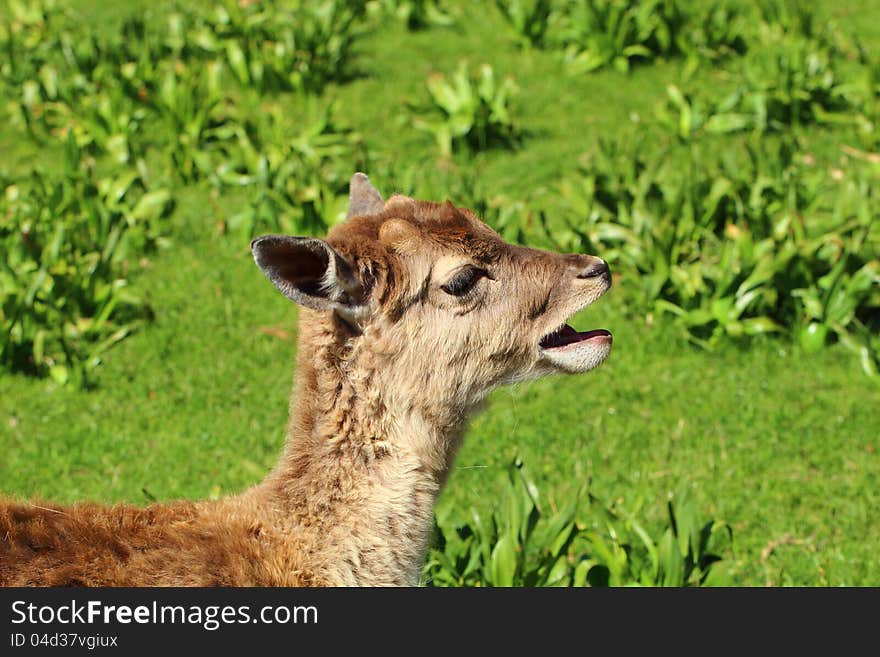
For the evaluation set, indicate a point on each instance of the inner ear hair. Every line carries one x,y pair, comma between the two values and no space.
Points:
308,271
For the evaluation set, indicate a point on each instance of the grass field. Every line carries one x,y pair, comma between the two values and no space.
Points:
781,444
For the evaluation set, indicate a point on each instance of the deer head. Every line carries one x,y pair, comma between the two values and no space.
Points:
439,297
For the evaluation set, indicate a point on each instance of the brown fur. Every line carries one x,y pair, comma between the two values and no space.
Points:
389,367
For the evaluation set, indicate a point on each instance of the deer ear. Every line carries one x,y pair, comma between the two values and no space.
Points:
309,272
363,199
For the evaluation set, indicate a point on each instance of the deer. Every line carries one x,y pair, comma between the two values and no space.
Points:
410,313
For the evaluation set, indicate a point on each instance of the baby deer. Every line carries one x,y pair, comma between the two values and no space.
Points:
411,312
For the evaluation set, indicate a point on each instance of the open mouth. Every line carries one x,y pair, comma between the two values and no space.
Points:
566,336
575,351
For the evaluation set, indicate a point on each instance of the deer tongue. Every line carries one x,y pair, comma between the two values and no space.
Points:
567,335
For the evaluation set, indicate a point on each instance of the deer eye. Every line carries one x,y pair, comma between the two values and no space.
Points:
464,281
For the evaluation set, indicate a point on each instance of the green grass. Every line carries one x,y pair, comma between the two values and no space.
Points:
583,106
781,444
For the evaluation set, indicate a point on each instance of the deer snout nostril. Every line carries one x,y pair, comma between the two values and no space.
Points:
597,268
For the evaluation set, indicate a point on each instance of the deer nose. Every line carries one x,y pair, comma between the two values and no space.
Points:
597,267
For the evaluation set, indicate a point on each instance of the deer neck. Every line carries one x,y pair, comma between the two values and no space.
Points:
365,459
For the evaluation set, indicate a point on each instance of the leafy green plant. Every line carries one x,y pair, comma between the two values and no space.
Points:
791,81
418,14
836,288
686,553
600,33
787,16
524,543
713,30
29,27
188,101
65,245
140,93
32,37
687,115
290,170
520,544
791,75
279,47
732,247
468,111
530,20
